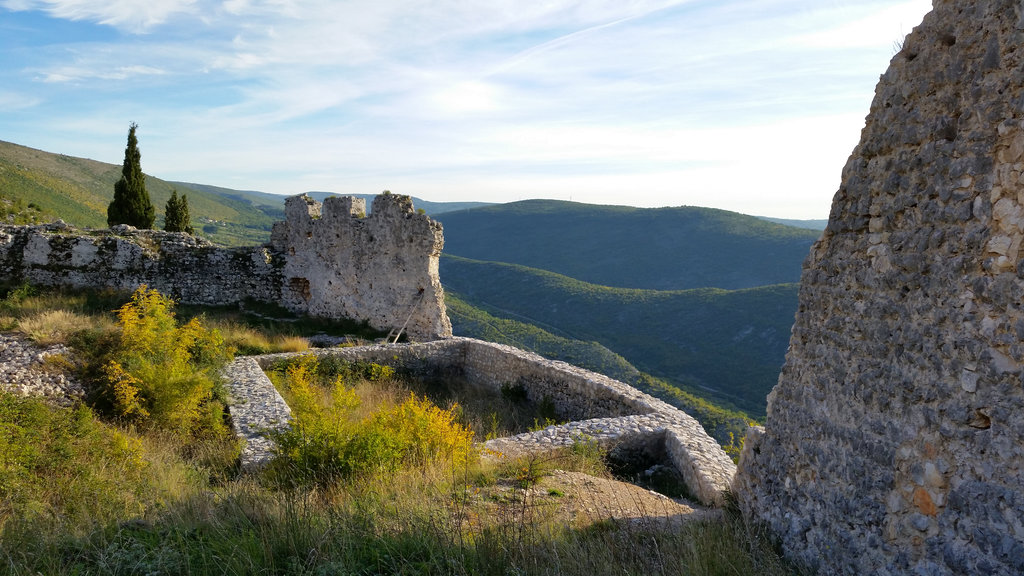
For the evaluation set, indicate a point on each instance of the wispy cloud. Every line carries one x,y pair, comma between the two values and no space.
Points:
131,15
496,100
74,74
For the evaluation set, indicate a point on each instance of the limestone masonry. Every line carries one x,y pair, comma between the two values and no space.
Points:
616,415
330,261
894,442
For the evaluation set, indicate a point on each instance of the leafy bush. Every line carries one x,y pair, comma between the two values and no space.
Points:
328,440
164,375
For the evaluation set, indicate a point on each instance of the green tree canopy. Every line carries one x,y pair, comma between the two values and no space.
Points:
176,216
131,203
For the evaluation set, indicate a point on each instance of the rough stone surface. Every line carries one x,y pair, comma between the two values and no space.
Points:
613,413
334,262
23,371
894,441
256,408
383,267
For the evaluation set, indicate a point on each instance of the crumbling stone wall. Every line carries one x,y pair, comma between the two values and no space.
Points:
185,267
613,413
334,262
339,262
894,442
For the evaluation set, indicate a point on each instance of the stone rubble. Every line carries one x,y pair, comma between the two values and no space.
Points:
23,371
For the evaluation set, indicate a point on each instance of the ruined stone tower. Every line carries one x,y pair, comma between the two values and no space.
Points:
341,263
894,442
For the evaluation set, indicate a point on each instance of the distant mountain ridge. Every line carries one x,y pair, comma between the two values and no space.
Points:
654,248
818,224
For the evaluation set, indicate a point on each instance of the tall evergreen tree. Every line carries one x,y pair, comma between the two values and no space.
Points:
176,216
131,203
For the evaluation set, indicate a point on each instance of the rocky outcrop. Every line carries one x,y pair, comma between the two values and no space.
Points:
894,442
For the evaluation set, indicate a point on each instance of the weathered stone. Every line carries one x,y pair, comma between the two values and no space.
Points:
335,262
905,360
341,263
614,414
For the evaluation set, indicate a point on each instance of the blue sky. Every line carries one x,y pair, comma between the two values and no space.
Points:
746,105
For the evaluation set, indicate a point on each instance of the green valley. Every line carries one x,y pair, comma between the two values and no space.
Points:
656,248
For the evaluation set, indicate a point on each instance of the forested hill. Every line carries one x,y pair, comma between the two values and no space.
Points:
727,345
655,248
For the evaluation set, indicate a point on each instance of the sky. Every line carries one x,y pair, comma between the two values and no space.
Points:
747,105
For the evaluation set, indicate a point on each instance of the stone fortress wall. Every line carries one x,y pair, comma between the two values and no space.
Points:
614,414
331,261
894,441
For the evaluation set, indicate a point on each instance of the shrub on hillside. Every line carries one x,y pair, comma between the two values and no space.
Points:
164,375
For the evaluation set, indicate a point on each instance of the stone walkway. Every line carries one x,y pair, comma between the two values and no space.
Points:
256,408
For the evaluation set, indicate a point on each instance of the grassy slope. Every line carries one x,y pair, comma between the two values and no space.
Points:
661,248
78,190
729,345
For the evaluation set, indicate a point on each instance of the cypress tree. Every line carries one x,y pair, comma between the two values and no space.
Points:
131,203
176,216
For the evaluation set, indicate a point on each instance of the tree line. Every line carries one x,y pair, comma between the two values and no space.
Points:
131,204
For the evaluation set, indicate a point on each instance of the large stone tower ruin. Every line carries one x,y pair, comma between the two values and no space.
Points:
894,442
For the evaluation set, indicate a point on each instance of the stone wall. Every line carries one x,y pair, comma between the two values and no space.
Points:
331,262
894,442
341,263
611,412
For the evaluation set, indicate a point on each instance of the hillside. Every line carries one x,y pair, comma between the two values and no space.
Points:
725,345
469,320
653,248
78,190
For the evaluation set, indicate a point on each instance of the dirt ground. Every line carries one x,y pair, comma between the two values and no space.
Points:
581,500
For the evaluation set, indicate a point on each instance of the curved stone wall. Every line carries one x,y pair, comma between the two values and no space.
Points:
611,412
894,442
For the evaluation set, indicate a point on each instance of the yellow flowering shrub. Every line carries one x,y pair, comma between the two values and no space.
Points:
163,374
327,440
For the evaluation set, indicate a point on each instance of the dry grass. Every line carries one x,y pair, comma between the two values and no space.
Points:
251,341
50,327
